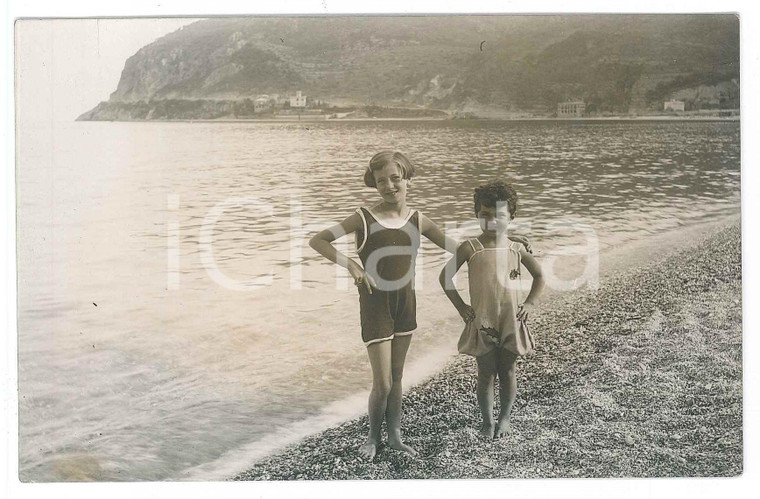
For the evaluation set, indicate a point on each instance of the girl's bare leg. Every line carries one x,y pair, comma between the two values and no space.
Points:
380,360
399,347
507,389
486,377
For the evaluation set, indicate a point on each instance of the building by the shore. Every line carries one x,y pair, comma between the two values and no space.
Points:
298,100
571,109
262,103
674,106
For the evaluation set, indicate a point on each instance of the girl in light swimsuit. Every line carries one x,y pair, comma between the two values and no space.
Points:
496,331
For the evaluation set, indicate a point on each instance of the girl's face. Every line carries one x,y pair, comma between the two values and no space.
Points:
494,219
390,183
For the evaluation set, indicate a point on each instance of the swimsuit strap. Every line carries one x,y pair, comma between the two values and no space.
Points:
365,231
474,249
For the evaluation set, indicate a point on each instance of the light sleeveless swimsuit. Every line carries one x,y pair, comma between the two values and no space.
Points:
495,302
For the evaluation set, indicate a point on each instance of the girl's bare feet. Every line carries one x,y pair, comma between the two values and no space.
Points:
486,430
502,428
368,450
399,445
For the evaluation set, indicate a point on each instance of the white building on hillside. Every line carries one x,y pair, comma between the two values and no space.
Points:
298,100
673,105
261,103
572,109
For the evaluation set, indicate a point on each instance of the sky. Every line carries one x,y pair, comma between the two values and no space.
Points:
67,66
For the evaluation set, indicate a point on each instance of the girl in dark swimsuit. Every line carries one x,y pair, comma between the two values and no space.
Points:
388,237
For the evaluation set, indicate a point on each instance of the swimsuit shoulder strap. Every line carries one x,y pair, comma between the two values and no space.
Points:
365,213
474,249
516,247
363,234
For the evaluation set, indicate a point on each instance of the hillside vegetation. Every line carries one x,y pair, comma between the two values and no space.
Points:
481,64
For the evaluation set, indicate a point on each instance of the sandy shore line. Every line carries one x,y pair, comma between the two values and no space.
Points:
639,378
323,118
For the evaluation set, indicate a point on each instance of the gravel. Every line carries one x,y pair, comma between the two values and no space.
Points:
641,377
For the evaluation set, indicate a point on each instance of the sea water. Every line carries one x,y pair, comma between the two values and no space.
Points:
143,353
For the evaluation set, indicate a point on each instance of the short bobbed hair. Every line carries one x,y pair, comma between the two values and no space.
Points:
494,192
383,158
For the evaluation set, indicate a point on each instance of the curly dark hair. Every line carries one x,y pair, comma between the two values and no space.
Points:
492,193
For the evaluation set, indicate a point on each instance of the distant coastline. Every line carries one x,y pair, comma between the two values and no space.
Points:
427,66
233,110
313,119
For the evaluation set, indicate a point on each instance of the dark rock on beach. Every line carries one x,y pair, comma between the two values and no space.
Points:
641,377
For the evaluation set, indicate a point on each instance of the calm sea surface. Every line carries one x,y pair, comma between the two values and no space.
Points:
138,361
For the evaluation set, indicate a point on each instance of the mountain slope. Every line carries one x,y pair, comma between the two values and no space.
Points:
512,63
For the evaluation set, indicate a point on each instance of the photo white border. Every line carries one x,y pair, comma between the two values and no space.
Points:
638,488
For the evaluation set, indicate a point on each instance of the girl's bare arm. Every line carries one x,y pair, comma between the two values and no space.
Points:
322,244
536,288
446,278
522,240
429,229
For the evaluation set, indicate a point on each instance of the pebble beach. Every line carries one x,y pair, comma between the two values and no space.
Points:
641,377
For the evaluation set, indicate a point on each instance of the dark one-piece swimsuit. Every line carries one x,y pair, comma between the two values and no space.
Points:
388,254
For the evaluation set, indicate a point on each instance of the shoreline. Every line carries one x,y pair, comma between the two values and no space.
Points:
321,118
617,387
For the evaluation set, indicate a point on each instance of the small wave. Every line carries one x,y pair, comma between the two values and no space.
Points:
240,459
